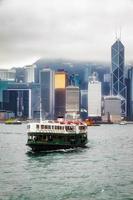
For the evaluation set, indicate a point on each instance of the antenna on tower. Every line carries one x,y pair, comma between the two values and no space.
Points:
116,35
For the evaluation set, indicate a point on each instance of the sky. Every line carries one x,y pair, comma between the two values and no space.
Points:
71,29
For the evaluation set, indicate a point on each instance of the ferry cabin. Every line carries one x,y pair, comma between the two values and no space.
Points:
57,135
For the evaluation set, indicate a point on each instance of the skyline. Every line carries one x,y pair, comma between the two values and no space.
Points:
77,29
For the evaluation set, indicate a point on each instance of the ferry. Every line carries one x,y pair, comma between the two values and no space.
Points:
54,135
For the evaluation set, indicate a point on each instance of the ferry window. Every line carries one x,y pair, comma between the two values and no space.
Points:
71,128
52,127
81,128
42,126
37,126
44,137
49,127
36,138
60,137
50,138
45,126
30,137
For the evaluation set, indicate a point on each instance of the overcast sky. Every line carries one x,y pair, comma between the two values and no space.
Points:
72,29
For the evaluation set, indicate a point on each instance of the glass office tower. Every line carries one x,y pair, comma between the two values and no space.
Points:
47,93
130,94
118,87
61,81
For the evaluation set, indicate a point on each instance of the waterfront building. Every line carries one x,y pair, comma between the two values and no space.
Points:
60,83
17,101
72,101
111,109
106,84
3,86
118,87
7,74
130,94
94,97
84,103
21,99
6,115
29,73
47,93
84,100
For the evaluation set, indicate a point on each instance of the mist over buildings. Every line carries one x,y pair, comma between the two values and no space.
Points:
73,29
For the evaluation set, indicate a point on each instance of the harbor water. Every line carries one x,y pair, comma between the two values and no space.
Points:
102,171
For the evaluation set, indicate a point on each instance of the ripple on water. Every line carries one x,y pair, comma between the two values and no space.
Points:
101,171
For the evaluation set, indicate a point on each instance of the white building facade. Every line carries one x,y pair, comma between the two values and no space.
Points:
7,74
94,98
112,109
72,99
29,75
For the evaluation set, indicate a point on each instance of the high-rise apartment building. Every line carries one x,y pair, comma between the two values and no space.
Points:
60,83
94,97
47,93
118,87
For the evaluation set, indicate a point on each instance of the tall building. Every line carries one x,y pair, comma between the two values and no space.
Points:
130,94
21,99
47,93
118,87
84,100
29,73
84,104
106,84
94,97
72,99
18,101
61,81
112,109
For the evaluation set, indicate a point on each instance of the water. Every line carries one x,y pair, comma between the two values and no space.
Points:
103,171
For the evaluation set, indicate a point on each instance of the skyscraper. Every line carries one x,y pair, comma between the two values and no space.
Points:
118,87
72,99
130,94
61,81
47,93
94,97
29,73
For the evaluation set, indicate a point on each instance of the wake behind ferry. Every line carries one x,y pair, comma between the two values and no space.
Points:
54,135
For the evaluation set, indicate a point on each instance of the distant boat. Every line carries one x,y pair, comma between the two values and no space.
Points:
12,122
54,135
